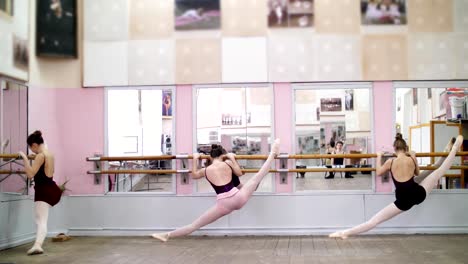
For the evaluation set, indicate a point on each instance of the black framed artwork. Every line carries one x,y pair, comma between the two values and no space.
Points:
56,34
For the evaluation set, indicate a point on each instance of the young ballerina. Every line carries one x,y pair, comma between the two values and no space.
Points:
408,193
47,193
229,197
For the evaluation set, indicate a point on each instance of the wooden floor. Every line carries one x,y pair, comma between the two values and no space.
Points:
245,250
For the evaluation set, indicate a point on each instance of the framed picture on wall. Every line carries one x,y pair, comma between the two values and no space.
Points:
349,100
167,104
6,7
290,13
383,12
330,105
56,28
196,15
20,53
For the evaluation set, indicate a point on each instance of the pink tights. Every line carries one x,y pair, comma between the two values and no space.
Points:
225,206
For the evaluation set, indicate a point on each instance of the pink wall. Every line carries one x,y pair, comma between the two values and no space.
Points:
283,129
72,121
384,125
184,131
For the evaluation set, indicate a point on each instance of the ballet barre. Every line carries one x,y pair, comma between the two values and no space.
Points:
316,169
264,157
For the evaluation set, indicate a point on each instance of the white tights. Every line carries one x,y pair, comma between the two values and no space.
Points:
42,213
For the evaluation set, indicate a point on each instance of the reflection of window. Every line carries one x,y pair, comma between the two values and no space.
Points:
238,118
6,7
324,117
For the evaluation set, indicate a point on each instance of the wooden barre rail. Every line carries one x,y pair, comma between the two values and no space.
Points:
256,170
11,172
14,156
264,157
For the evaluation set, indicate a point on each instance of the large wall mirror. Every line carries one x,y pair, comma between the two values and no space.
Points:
333,119
13,133
239,118
140,123
429,114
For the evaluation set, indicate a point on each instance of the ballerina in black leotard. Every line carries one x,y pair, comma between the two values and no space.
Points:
408,193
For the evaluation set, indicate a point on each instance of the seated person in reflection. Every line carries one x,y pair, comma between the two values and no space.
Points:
337,161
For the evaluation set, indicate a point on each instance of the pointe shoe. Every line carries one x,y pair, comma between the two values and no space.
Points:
35,250
338,234
275,147
449,145
458,142
163,237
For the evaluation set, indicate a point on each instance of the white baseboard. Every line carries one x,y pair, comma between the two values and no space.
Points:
17,241
266,231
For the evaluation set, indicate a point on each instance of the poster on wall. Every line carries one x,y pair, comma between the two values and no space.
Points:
330,104
20,53
56,28
167,104
196,15
290,13
6,7
349,100
383,12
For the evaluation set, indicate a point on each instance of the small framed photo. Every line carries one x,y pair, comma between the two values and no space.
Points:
167,104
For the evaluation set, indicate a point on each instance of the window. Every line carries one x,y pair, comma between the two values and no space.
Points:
240,119
139,123
327,116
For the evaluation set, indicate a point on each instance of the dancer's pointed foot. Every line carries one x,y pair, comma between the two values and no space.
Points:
161,236
35,250
275,147
338,234
458,142
449,145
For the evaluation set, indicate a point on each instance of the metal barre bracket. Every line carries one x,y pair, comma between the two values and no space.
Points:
283,169
183,169
97,167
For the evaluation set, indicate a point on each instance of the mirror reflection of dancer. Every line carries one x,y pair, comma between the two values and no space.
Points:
229,198
47,193
408,193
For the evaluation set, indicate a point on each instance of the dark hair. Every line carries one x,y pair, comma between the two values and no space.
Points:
332,143
400,143
217,150
35,137
339,142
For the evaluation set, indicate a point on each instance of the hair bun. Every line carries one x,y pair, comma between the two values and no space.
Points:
399,136
37,133
214,146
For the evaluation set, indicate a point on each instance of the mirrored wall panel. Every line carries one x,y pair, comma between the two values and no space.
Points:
140,123
332,121
13,130
240,119
428,117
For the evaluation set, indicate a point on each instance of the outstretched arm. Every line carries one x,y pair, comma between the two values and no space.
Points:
381,169
197,173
